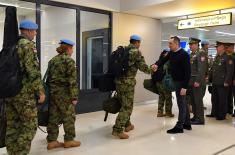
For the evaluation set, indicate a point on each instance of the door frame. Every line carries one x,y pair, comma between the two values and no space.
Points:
78,9
91,34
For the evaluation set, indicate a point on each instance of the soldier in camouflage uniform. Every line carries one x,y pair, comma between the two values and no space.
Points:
198,60
165,96
62,81
229,47
125,87
21,110
222,75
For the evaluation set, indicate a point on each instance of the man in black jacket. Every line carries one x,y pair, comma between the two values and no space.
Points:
180,71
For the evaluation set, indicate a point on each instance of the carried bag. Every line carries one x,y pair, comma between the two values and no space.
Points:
150,86
111,105
168,80
43,109
10,70
3,123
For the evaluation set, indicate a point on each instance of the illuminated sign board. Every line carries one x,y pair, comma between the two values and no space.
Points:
207,21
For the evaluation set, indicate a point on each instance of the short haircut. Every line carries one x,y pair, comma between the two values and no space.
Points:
176,39
132,41
203,45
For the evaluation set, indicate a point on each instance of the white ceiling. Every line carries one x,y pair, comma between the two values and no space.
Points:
172,8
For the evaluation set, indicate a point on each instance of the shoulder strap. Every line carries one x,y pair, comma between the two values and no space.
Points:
46,74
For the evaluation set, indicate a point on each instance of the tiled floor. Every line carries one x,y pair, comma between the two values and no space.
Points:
149,137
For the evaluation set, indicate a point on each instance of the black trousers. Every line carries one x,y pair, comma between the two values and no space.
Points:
184,116
230,99
219,101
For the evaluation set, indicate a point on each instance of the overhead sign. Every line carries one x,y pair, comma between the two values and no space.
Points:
207,21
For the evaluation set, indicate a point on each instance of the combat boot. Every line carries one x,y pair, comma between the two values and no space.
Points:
161,115
129,128
170,115
72,143
121,135
54,145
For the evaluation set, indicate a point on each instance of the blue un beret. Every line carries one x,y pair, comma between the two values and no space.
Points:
205,42
67,41
28,24
135,37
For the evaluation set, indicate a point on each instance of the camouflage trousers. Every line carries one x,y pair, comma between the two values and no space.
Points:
165,99
61,110
125,94
21,113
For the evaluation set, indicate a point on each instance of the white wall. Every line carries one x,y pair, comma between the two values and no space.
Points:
149,29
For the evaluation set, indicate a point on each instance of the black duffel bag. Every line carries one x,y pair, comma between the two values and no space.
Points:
3,123
43,109
111,105
150,86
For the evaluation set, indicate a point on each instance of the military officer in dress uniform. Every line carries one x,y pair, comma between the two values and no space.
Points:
229,47
222,75
198,60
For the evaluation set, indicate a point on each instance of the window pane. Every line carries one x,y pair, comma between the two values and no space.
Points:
56,23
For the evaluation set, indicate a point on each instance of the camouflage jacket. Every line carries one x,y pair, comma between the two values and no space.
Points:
62,76
32,82
136,61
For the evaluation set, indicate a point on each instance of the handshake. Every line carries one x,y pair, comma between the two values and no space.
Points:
154,67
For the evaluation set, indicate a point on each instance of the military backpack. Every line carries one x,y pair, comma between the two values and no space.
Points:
119,61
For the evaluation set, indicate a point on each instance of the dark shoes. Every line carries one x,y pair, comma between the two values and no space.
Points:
175,130
197,122
193,119
187,127
220,118
210,115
